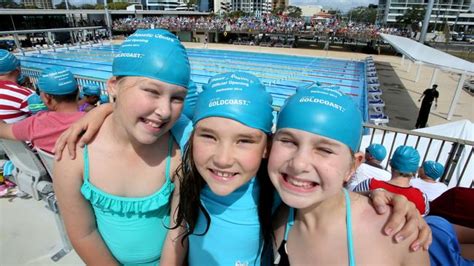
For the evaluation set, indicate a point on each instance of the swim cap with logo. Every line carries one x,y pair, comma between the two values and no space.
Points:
433,170
8,62
91,90
35,104
238,96
325,112
377,151
405,160
57,81
155,54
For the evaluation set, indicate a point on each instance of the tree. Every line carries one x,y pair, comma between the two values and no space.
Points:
411,18
62,5
294,11
9,4
278,10
88,6
363,14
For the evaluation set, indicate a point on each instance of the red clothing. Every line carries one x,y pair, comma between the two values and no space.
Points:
411,193
13,102
44,128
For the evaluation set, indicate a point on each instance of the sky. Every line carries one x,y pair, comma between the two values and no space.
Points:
343,5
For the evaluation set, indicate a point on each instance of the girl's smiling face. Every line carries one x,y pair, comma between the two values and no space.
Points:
146,108
226,153
306,168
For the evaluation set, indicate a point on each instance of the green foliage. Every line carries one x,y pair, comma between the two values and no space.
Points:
62,5
9,4
118,5
411,17
363,14
88,6
294,11
278,10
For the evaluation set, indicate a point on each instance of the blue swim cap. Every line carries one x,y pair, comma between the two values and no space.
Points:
8,62
325,112
433,170
190,101
238,96
104,98
57,81
377,151
405,160
155,54
35,104
91,90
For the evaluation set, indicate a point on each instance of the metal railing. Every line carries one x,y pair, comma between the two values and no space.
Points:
454,153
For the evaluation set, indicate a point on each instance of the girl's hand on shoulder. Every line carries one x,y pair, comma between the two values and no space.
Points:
82,131
405,219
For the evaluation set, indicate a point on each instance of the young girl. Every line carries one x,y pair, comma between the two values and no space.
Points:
314,153
223,202
91,97
115,196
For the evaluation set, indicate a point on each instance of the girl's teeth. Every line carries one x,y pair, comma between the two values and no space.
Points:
155,125
299,183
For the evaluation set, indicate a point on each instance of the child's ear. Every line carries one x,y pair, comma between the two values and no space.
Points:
357,161
112,87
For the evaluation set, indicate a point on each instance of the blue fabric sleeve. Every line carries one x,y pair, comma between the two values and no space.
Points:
444,249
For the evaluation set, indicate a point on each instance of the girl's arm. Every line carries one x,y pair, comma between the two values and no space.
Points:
174,252
78,216
404,221
82,131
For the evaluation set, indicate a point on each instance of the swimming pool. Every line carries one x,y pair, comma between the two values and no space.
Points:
281,74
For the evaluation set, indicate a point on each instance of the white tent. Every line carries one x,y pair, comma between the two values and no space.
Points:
422,54
463,129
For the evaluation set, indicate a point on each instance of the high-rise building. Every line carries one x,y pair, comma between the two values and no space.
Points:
43,4
247,6
443,10
162,4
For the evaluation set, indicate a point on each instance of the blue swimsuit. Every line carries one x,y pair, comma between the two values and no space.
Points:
282,257
133,229
233,237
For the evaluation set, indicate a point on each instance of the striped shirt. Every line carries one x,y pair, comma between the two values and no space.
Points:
13,102
411,193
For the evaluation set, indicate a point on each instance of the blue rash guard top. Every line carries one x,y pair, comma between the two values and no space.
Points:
234,235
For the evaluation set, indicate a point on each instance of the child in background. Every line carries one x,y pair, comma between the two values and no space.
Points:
91,97
314,152
404,164
35,104
59,91
115,196
428,174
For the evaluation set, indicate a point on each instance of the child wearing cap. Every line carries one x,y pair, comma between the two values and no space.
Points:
428,174
91,97
115,196
313,155
404,164
59,91
35,104
370,168
13,97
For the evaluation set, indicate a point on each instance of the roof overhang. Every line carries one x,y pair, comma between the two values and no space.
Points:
424,54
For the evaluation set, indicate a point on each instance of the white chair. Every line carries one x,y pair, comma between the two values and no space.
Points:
30,175
32,178
48,161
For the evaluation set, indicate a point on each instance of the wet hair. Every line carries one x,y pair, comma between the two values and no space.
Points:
67,98
191,184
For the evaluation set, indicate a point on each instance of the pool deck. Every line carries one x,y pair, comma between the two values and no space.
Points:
27,229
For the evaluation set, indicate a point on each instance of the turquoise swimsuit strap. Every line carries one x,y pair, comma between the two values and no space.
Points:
86,163
168,161
289,223
350,242
168,158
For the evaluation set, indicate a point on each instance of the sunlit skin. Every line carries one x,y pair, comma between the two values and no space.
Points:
307,169
159,103
227,153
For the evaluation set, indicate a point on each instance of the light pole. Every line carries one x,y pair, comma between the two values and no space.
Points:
107,19
426,21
